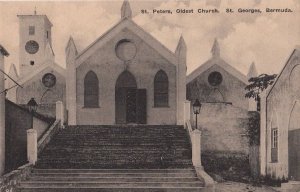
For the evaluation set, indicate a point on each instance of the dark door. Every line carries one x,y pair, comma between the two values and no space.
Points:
131,105
141,106
120,105
294,154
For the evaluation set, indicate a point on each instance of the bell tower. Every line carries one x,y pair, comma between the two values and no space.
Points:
35,46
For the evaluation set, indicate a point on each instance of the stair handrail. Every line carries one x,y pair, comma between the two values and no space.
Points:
47,136
190,130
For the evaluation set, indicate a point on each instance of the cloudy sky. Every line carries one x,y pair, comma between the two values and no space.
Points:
266,39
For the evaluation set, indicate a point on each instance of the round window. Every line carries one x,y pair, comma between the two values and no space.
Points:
49,80
32,47
125,50
215,78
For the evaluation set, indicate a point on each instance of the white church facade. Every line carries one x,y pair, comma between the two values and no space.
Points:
126,76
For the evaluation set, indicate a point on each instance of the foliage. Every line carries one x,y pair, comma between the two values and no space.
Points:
253,129
227,165
258,84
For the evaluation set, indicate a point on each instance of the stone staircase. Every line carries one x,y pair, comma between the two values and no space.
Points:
115,158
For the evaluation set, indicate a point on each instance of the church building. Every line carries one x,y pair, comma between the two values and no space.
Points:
40,77
224,116
125,76
280,123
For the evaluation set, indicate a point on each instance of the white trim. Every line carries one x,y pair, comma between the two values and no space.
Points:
221,63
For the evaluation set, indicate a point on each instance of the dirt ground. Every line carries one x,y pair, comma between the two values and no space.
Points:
241,187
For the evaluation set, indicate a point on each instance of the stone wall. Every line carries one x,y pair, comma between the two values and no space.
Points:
18,120
108,67
223,128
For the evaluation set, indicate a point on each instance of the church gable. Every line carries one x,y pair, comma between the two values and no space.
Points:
287,77
126,49
217,60
217,85
123,25
222,64
48,86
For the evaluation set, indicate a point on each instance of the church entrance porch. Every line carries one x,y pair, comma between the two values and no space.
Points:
130,102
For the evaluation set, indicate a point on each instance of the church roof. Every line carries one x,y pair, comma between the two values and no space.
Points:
216,60
268,91
47,64
133,27
44,16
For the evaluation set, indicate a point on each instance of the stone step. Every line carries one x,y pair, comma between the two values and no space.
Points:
112,152
114,189
91,184
117,148
128,173
111,177
189,170
114,179
112,165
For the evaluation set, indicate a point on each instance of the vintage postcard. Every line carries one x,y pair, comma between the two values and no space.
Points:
161,95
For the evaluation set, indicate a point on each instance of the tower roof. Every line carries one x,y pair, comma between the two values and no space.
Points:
181,45
252,71
44,16
215,50
126,10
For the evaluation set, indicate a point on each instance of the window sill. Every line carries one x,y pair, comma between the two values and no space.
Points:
96,107
167,106
274,162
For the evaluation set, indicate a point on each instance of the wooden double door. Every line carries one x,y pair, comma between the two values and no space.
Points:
131,105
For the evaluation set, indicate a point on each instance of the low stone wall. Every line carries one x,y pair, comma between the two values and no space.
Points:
9,181
223,127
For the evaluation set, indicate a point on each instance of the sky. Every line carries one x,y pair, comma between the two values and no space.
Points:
267,39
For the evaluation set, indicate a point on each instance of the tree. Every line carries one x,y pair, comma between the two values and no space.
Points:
257,85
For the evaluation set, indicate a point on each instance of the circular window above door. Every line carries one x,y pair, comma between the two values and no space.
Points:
215,78
125,50
49,80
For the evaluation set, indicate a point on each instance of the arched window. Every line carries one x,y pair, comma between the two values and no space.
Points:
91,90
161,89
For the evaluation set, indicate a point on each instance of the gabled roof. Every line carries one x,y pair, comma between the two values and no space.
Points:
133,27
44,66
221,63
297,48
